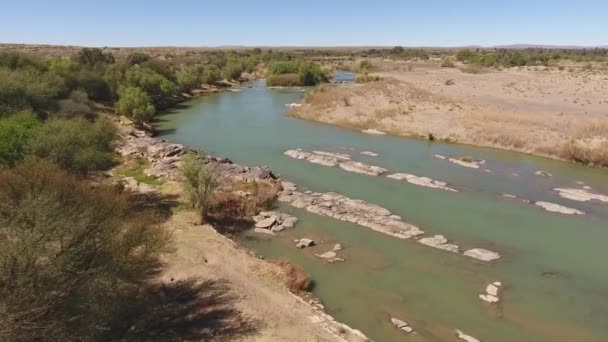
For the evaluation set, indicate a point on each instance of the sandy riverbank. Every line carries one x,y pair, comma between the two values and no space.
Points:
555,113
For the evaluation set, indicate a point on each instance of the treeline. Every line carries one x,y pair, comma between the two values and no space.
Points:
529,57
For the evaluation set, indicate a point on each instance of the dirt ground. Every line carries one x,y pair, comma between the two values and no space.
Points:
556,113
246,297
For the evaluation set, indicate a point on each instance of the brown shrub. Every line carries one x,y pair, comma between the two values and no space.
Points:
295,278
586,154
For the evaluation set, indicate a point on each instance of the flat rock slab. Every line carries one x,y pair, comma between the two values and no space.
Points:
358,167
369,153
440,242
556,208
482,254
581,195
461,335
421,181
266,223
341,156
470,164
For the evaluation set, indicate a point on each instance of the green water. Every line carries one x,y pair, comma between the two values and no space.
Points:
553,266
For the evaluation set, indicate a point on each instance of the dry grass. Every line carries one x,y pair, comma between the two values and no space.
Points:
295,278
242,200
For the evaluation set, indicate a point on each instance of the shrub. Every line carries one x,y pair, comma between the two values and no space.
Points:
188,79
284,80
77,146
296,279
69,256
211,74
365,78
135,104
365,65
282,67
472,69
447,63
199,182
15,133
77,105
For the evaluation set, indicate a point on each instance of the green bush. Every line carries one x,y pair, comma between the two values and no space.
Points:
77,146
135,104
199,181
233,71
154,84
15,134
137,58
71,257
188,79
283,67
210,74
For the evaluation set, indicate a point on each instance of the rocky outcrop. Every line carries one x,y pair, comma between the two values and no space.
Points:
351,210
440,242
165,158
401,325
358,167
581,195
335,159
274,221
556,208
421,181
371,216
492,292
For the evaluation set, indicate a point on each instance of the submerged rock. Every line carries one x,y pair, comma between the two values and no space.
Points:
373,131
581,195
401,325
359,167
263,231
311,157
558,208
439,241
482,254
421,181
543,173
473,164
370,153
341,156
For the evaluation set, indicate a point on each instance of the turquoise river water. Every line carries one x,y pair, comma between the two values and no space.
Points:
553,266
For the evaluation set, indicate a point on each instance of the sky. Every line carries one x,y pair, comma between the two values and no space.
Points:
305,22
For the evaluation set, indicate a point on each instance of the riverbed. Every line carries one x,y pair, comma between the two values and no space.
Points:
552,267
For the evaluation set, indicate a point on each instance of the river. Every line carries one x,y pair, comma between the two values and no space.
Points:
553,266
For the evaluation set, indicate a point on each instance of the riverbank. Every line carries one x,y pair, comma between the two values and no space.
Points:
262,308
550,113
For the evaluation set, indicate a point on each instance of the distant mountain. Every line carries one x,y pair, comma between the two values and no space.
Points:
543,46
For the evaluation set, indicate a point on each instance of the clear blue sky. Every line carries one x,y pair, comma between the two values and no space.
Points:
304,22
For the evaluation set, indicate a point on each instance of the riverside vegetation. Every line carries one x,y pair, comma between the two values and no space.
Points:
79,254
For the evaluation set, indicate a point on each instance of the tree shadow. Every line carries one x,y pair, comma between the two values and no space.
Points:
183,310
162,204
230,226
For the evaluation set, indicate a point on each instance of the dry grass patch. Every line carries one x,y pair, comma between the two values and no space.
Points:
295,278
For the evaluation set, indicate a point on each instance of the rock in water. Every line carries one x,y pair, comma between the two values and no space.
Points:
359,167
266,223
556,208
465,337
263,231
373,131
439,241
401,325
581,195
305,243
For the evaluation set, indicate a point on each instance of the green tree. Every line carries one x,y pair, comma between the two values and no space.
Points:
188,79
199,181
15,133
29,89
135,104
137,58
154,84
211,74
233,71
77,146
93,56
